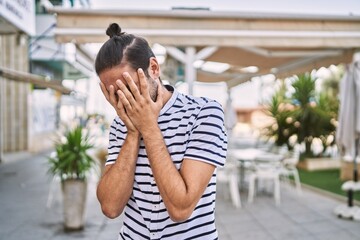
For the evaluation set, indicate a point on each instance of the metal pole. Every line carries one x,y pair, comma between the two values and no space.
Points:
355,177
355,159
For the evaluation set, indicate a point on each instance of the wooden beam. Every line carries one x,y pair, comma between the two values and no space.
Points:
34,79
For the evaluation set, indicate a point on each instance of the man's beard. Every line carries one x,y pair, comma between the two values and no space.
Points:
153,88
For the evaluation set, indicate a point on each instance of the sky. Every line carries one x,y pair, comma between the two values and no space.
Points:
343,7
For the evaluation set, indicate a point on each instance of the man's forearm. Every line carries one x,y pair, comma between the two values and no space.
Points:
115,187
172,186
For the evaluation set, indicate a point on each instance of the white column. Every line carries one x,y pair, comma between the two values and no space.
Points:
190,71
188,58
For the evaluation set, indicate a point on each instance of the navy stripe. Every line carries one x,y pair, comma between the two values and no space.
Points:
110,161
180,111
190,99
113,153
122,132
177,135
143,165
212,125
177,106
209,133
203,158
210,115
148,201
131,207
122,236
205,205
153,211
201,235
147,183
213,107
176,144
176,127
114,146
118,138
136,232
156,221
208,194
209,142
187,221
179,100
134,220
118,130
176,119
209,151
144,174
119,123
147,192
188,229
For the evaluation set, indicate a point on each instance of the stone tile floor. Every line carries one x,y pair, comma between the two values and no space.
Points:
25,186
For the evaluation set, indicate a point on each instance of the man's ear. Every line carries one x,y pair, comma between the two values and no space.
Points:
154,68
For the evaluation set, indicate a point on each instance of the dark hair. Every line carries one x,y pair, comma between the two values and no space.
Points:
123,47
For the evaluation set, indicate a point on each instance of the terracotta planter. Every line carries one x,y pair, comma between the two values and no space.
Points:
314,164
74,196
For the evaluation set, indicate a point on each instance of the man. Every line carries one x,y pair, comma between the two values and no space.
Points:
164,147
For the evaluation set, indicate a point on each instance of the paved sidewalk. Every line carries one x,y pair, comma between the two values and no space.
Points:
25,186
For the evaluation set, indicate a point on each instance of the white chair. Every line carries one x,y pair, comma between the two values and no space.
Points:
265,171
230,176
288,168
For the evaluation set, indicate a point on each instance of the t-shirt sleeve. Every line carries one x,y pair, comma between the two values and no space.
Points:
208,139
116,140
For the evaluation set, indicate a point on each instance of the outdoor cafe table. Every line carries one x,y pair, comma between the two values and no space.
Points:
250,155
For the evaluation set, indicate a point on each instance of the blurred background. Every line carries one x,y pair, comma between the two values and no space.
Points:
277,67
44,45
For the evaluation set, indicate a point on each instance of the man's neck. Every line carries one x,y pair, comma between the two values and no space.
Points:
167,95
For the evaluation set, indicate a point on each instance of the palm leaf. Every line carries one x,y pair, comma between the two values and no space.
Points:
71,160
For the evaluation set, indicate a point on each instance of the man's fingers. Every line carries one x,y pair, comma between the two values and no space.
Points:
132,86
104,91
122,112
120,107
125,92
124,101
144,87
112,95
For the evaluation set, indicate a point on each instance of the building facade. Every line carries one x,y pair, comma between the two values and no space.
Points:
17,23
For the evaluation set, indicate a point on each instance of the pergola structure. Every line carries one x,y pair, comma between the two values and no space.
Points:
281,44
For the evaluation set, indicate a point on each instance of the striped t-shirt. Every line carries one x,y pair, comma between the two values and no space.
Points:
193,128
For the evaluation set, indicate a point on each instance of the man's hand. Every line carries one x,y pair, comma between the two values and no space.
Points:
119,108
141,109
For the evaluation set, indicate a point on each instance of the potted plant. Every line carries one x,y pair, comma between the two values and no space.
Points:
307,115
281,111
71,163
312,112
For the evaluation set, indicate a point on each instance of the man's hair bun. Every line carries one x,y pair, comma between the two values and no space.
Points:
114,30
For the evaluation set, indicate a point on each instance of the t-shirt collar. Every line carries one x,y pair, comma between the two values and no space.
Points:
172,99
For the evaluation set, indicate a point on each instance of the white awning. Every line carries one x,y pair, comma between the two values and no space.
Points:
281,44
